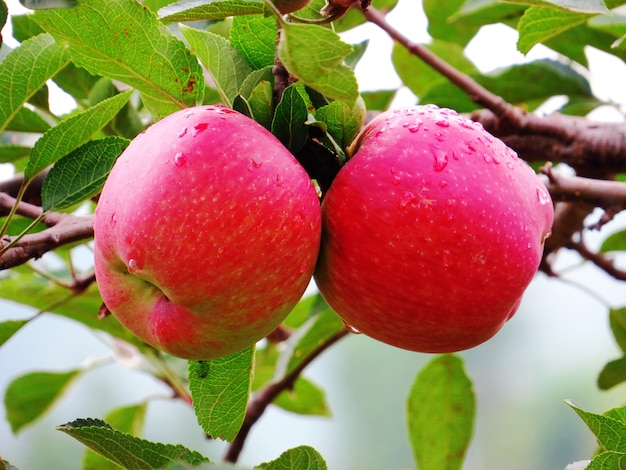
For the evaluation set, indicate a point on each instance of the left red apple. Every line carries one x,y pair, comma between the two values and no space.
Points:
206,233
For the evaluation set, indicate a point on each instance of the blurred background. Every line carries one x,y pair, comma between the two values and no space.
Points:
552,349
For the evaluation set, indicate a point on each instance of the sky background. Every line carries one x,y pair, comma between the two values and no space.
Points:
551,350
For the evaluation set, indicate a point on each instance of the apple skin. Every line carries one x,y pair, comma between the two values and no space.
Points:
206,234
432,231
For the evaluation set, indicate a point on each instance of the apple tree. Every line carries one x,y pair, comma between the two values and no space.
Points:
284,69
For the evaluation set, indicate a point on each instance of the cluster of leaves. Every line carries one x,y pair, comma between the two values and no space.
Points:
297,79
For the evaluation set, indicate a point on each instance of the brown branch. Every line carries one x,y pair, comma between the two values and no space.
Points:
66,229
598,259
266,395
602,193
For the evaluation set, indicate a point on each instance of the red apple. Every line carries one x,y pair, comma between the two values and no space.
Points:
206,233
431,232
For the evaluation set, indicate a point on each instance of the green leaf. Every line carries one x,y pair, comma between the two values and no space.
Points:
343,121
304,398
105,37
440,414
23,286
220,389
314,55
420,77
72,132
440,26
4,13
614,242
255,37
539,24
585,6
612,374
193,10
24,27
261,102
8,328
290,117
617,321
227,66
298,458
31,395
608,461
45,4
81,174
27,120
353,17
610,433
378,100
10,152
128,419
26,69
128,451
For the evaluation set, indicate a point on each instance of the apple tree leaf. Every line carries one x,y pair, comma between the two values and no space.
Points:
12,152
539,24
128,451
255,37
290,117
193,10
72,132
617,321
45,4
225,63
314,55
614,242
29,396
304,398
23,286
298,458
440,414
80,174
607,461
343,121
609,431
25,70
440,26
8,328
220,389
612,374
127,419
27,120
123,40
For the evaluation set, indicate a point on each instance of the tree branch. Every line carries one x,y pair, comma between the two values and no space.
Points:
266,395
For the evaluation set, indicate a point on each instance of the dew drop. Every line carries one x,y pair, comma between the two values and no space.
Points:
351,329
447,258
199,128
510,165
380,131
542,196
450,202
395,178
443,184
441,160
278,180
113,220
442,123
132,266
407,198
255,162
180,159
188,114
182,132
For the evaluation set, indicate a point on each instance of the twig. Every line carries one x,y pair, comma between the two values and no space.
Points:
598,259
266,395
603,193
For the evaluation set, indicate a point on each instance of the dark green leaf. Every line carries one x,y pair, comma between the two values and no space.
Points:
193,10
31,395
440,26
580,106
608,461
539,24
585,6
610,433
27,120
343,122
81,174
315,55
612,374
227,66
24,27
440,414
72,132
4,12
379,100
261,102
614,242
353,17
104,37
10,153
305,398
255,37
128,451
26,69
128,419
220,389
484,12
618,413
299,458
290,117
9,327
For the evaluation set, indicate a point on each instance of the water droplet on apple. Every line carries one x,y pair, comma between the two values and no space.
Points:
113,220
447,258
132,266
380,131
351,329
450,202
188,114
395,178
442,123
278,180
182,132
199,128
542,196
407,198
510,165
443,184
441,159
180,159
255,162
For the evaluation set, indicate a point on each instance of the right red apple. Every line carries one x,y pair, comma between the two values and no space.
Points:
432,232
